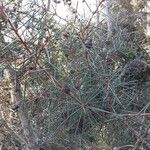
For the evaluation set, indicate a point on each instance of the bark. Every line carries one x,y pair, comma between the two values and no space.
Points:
29,134
16,136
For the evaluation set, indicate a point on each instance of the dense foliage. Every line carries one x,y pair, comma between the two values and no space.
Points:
80,84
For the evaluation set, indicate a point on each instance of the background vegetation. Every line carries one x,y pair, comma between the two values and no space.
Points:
76,83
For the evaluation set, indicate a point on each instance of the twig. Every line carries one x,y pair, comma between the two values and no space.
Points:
134,114
88,24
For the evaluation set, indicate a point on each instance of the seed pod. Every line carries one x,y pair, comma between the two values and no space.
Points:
89,44
137,69
16,106
65,88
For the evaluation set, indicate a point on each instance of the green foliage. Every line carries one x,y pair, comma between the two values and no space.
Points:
71,76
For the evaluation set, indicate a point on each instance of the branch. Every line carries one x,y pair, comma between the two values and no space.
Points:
134,114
